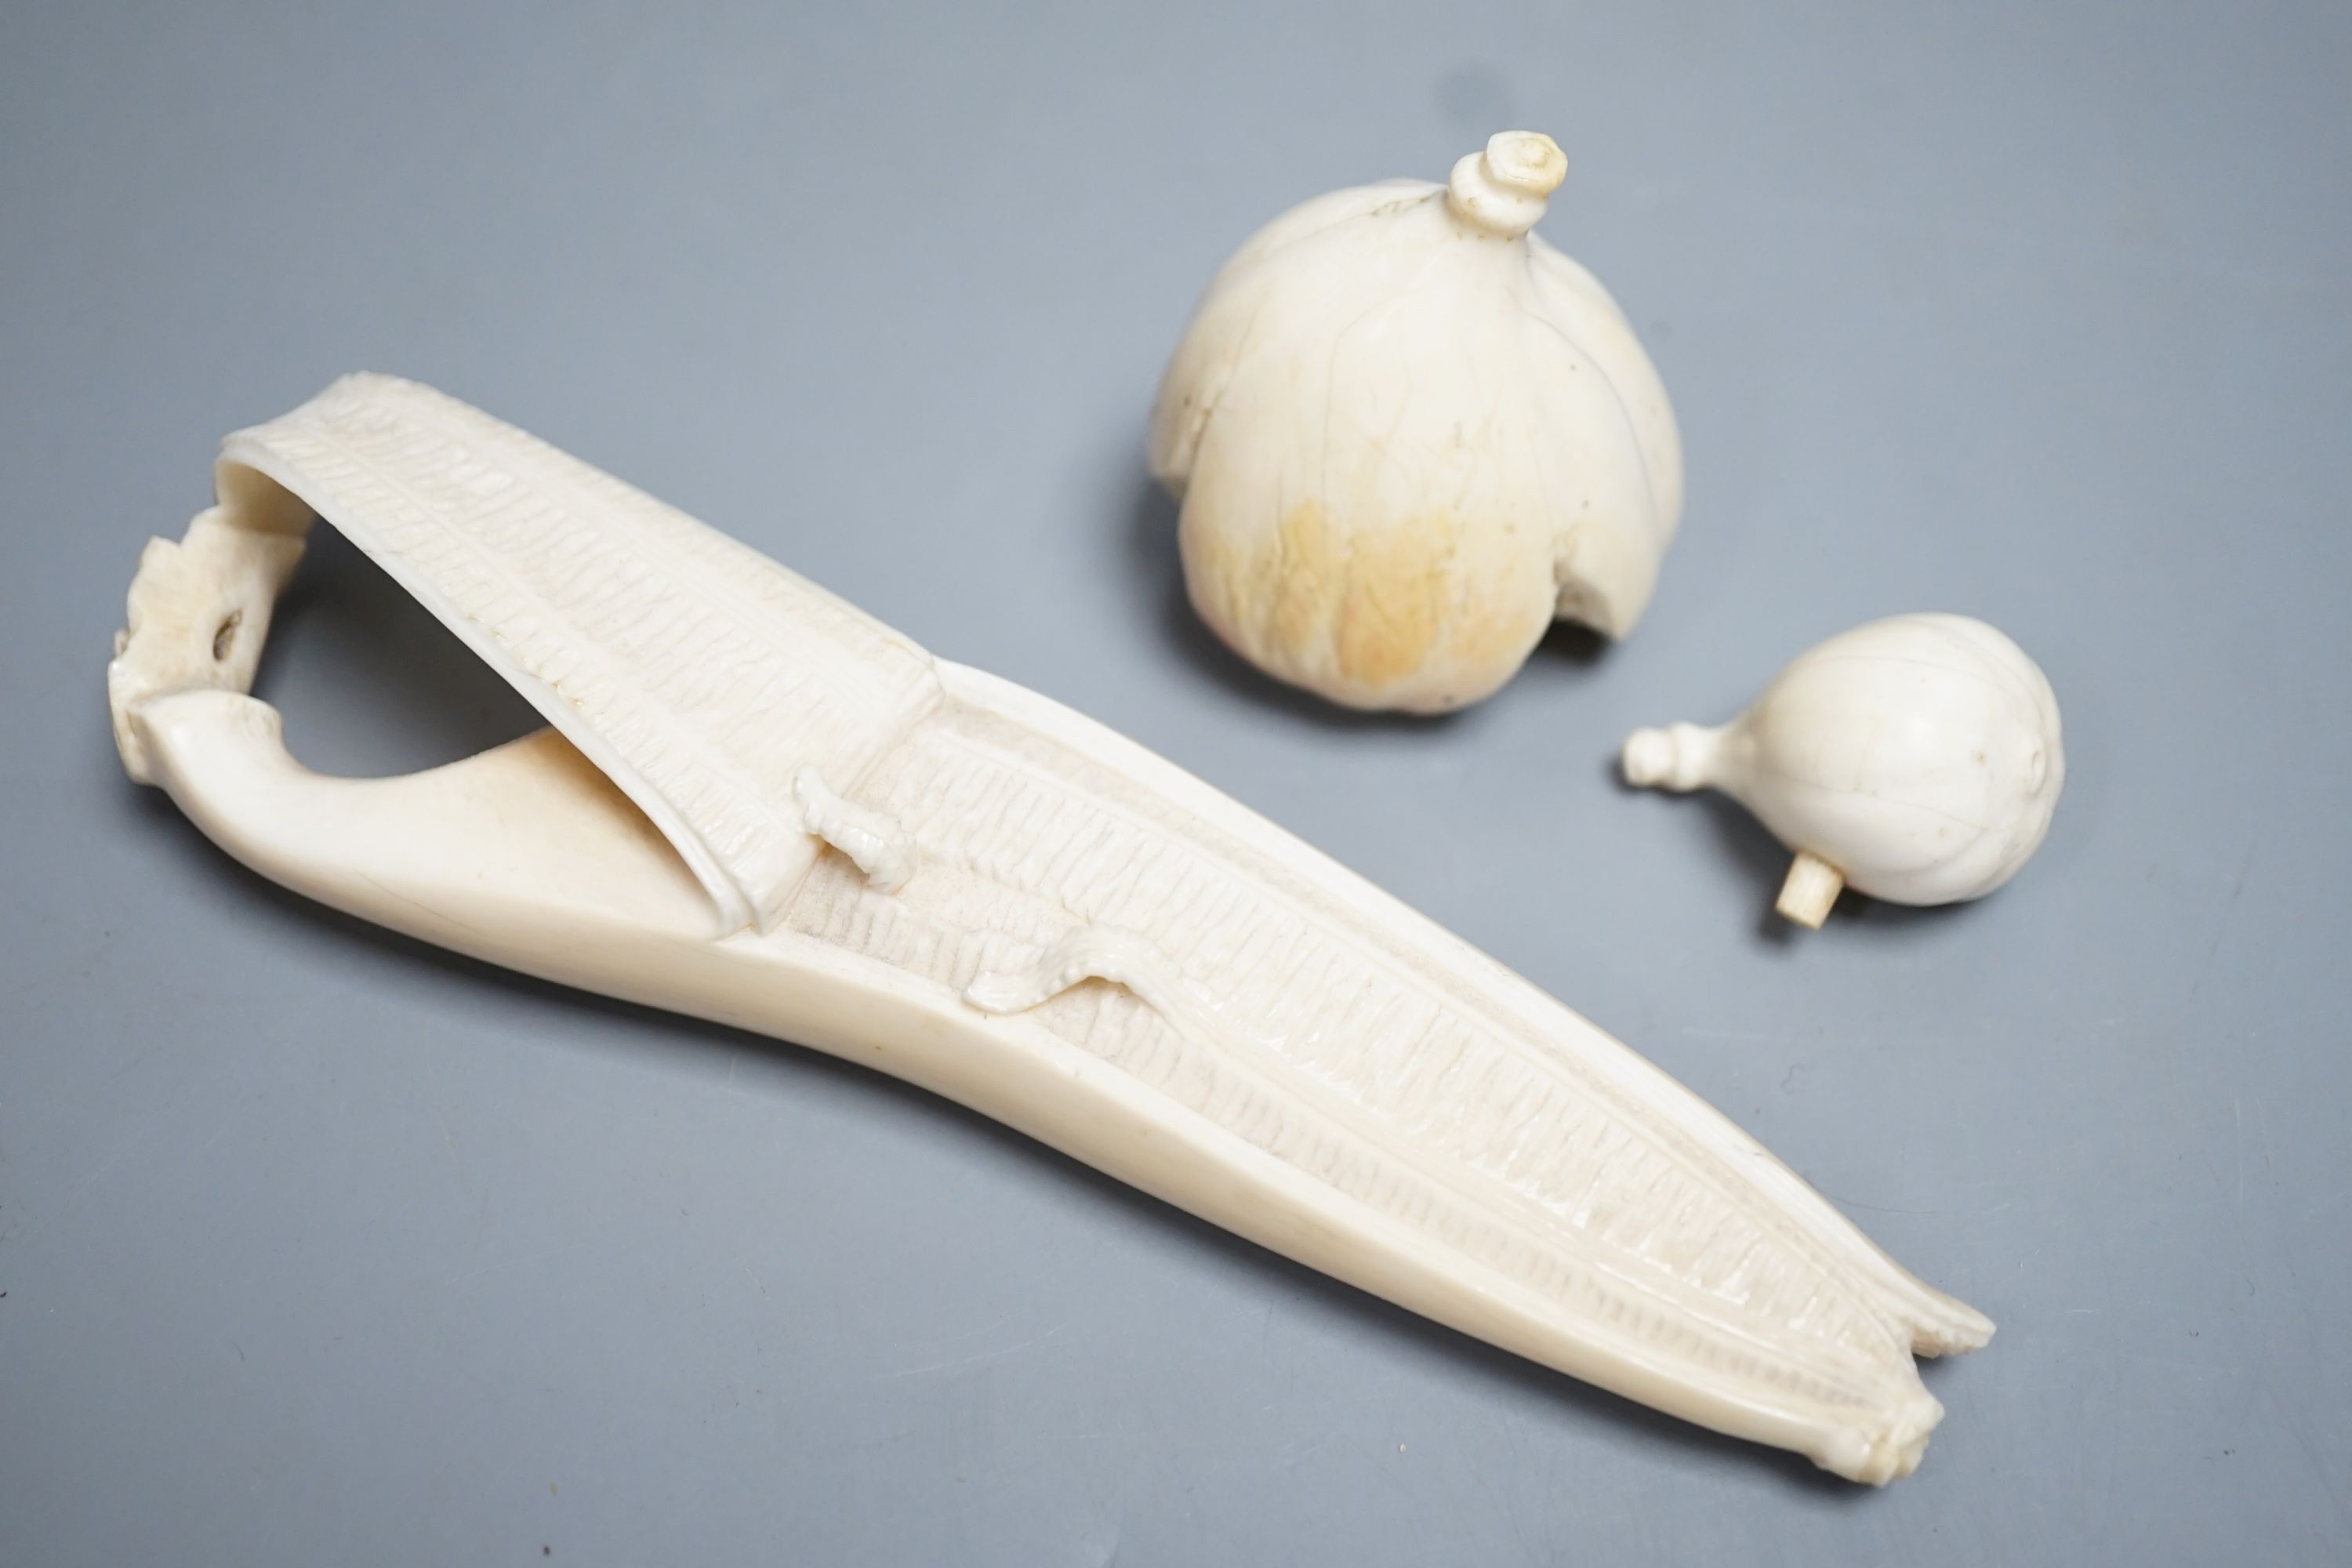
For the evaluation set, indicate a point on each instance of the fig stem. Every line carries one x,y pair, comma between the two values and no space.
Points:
1813,886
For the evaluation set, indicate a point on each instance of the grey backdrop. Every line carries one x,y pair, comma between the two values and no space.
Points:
319,1247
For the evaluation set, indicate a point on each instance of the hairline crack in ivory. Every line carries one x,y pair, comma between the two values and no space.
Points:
758,805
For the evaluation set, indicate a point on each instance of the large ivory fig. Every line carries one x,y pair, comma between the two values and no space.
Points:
1408,434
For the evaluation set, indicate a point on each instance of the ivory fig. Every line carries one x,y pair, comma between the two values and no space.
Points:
1916,759
1407,434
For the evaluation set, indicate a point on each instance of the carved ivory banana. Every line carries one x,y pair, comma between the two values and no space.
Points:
758,805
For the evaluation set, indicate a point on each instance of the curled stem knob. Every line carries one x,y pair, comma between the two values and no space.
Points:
1678,757
1501,190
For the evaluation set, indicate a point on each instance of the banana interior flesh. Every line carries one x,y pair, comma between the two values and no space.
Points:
757,804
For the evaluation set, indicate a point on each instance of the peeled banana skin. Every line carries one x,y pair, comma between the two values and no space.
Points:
755,803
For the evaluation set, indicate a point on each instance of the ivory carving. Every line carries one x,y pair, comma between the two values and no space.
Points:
758,805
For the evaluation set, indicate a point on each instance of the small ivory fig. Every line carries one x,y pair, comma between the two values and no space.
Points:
1408,434
1916,759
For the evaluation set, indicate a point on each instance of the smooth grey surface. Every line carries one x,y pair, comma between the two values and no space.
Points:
319,1247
